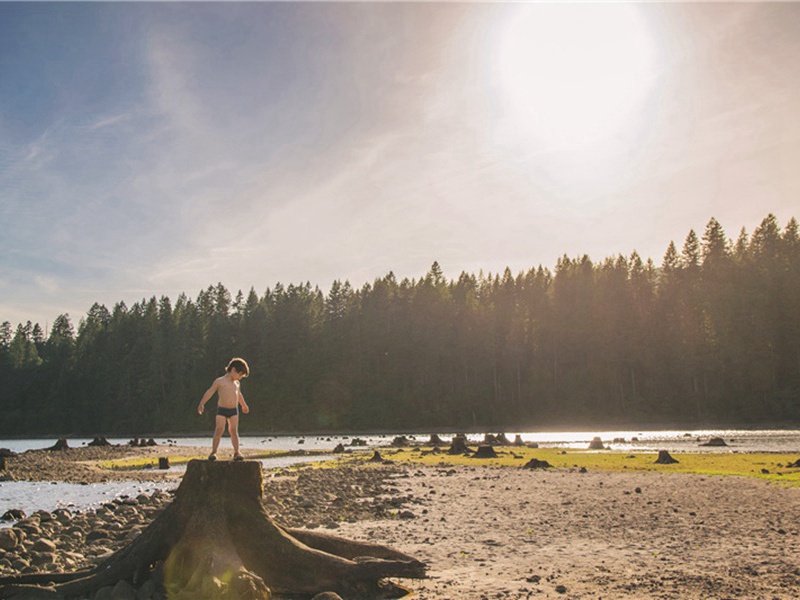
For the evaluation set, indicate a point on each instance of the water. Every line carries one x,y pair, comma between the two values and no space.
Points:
33,496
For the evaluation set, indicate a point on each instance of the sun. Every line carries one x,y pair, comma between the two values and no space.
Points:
573,73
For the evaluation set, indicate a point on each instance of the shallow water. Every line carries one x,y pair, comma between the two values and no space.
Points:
47,496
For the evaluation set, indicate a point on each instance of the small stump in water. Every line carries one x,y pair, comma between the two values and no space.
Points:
485,451
61,444
596,444
216,542
715,442
664,458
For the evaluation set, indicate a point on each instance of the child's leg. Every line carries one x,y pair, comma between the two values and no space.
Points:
233,430
218,431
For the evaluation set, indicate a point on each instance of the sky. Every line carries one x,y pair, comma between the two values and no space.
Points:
149,149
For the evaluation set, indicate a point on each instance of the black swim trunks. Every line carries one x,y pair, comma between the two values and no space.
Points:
227,412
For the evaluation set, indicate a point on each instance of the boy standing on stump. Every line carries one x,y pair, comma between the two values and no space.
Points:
229,398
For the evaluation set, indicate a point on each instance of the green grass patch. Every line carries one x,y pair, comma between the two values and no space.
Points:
137,463
741,464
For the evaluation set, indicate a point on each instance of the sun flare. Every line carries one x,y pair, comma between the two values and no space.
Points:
573,74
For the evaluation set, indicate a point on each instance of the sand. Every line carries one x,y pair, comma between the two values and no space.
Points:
505,532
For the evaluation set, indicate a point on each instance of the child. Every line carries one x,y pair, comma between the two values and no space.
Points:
228,401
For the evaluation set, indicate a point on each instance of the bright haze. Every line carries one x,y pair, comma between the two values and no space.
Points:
157,148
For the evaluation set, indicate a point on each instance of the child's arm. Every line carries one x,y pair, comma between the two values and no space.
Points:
207,396
245,408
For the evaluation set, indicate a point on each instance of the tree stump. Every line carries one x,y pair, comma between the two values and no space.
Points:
435,440
2,463
664,458
518,440
163,462
535,463
99,441
715,442
596,444
458,445
61,444
485,451
216,542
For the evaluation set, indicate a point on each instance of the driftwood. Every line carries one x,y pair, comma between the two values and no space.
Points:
215,542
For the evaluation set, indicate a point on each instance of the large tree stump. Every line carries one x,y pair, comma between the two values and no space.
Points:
215,542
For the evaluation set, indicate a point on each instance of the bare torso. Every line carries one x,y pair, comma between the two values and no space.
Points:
228,392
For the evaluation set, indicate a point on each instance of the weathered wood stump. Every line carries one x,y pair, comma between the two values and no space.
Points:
458,445
664,458
435,440
596,444
99,442
518,440
535,463
61,444
502,440
715,442
2,463
485,451
215,542
163,462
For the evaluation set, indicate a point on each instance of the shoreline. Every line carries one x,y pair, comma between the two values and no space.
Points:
486,530
491,531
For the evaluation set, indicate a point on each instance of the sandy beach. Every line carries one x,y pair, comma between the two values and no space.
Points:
506,532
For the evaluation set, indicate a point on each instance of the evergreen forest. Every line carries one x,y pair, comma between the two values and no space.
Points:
709,336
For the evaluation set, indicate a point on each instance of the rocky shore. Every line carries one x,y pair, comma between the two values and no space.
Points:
494,532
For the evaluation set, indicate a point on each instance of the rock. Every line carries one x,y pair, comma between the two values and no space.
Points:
518,440
407,514
44,516
146,591
123,591
104,593
8,539
15,514
339,449
596,444
400,441
6,453
42,559
561,589
44,545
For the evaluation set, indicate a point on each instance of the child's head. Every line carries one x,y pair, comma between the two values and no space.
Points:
239,365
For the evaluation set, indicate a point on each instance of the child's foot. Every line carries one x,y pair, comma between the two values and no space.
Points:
238,456
212,457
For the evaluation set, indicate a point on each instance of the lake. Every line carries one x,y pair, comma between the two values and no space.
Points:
32,496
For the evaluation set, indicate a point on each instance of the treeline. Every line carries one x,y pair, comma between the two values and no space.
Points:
710,335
